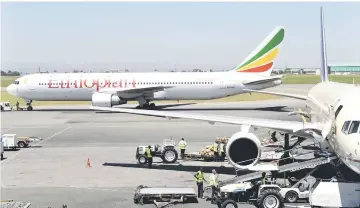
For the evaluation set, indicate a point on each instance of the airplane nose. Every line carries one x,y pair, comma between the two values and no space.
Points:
11,89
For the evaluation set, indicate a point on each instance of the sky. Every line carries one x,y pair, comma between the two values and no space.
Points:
143,36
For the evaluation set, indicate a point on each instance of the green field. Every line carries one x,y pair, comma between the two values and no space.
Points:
314,79
7,80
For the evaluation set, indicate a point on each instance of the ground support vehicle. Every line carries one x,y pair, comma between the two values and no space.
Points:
198,156
5,106
166,152
262,196
10,141
23,142
335,194
163,197
13,204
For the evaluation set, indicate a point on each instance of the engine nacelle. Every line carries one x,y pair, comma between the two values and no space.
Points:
243,150
106,100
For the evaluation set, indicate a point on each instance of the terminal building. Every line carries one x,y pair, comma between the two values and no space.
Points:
344,68
333,68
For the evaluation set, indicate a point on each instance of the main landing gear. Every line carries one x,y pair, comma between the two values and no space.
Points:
145,104
28,103
148,106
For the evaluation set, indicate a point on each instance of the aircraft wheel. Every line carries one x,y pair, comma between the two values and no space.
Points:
29,108
142,159
229,204
170,156
21,144
146,106
152,106
291,196
270,198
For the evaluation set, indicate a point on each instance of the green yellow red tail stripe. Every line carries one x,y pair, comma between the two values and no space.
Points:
262,58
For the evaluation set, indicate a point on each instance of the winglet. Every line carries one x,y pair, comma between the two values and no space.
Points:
324,66
261,60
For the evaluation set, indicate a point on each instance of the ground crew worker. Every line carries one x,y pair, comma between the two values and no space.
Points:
221,151
263,178
273,136
214,185
274,176
149,156
17,105
182,146
199,176
215,150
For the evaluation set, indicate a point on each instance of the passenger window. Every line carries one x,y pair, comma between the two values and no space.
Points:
345,127
354,127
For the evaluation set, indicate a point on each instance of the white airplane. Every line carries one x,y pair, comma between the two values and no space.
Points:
333,109
109,89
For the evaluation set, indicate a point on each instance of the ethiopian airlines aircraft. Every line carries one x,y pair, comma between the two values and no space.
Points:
333,109
109,89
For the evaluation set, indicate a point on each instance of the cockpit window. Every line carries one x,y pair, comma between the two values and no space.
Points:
354,127
16,82
345,127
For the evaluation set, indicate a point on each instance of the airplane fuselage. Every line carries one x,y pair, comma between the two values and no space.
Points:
182,86
344,99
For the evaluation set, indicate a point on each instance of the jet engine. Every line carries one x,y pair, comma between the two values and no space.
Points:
106,100
243,150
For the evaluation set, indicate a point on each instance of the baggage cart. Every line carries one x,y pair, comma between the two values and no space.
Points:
163,197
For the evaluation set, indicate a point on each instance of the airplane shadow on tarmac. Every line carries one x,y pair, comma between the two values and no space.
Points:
325,171
164,108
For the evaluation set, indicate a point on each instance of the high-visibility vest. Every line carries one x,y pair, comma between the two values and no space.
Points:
199,177
213,180
182,144
263,181
148,152
214,147
221,148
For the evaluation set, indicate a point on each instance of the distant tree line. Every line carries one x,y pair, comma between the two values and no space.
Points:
10,73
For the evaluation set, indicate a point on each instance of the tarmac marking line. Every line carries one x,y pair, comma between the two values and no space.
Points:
31,149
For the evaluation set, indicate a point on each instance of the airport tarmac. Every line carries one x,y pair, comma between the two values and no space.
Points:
53,172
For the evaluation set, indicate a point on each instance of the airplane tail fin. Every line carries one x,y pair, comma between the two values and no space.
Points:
261,60
324,66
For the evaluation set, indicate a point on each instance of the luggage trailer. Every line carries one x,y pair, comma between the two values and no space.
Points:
163,197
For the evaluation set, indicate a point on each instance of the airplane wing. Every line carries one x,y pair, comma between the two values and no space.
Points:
295,96
292,127
136,90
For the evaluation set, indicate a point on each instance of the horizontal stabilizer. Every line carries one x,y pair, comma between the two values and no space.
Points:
300,97
264,80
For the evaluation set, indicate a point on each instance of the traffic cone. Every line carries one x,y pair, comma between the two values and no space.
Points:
88,165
